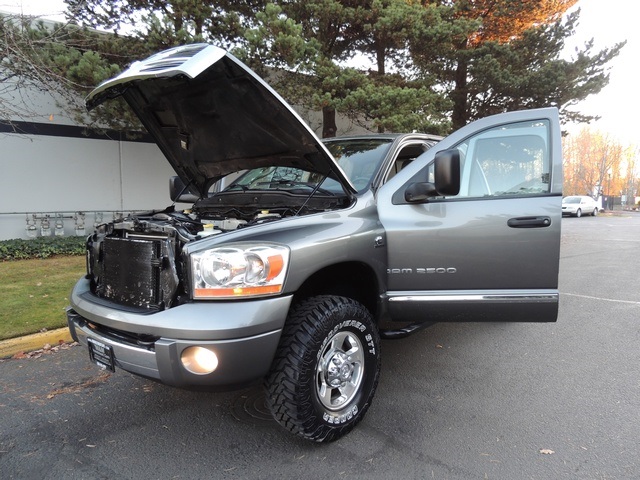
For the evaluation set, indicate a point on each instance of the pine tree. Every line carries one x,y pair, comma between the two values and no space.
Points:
434,64
316,38
507,55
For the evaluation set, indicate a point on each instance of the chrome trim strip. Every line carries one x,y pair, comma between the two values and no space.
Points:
491,296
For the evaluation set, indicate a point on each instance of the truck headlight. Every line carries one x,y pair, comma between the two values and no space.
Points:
239,271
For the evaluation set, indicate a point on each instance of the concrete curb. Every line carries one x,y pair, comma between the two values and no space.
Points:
28,343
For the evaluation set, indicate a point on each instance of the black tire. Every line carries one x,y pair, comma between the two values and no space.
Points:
579,213
595,212
326,368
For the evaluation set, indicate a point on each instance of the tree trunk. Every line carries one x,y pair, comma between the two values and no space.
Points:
380,58
329,127
178,23
460,115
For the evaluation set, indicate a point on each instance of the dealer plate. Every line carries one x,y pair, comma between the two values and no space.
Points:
101,354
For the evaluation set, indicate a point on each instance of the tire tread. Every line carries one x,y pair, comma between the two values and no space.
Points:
284,390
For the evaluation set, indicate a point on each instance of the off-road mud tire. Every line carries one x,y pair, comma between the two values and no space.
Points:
326,341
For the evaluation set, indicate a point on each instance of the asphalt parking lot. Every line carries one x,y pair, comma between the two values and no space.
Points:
455,401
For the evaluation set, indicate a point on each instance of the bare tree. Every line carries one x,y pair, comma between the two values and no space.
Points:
595,163
44,61
22,69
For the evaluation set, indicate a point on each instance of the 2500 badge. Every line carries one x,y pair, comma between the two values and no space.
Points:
421,270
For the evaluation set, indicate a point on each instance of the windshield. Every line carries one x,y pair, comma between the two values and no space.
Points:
571,200
359,158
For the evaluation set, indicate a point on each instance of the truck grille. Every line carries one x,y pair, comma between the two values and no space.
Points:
137,272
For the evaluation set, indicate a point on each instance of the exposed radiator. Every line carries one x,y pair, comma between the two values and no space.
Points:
137,272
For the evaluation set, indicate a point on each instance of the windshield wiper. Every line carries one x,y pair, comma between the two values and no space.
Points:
244,188
293,183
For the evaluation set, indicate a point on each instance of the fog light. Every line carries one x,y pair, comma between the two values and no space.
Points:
199,360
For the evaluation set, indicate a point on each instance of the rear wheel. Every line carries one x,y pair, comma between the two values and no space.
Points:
326,369
595,212
578,213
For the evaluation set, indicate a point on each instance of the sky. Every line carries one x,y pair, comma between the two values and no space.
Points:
610,22
607,22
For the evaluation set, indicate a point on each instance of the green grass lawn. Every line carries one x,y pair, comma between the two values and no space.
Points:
34,293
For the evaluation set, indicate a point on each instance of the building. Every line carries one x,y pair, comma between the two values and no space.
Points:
59,178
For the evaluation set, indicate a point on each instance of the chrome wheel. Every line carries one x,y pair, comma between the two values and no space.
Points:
340,371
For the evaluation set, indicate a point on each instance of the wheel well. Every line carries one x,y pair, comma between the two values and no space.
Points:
352,279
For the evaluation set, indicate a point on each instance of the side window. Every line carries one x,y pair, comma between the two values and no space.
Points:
406,155
506,161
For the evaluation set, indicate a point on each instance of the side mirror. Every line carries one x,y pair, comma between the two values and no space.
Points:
447,172
178,192
446,175
419,192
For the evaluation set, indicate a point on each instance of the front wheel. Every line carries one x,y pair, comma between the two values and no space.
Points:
578,213
326,368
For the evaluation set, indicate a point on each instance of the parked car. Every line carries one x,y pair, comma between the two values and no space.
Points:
291,273
578,205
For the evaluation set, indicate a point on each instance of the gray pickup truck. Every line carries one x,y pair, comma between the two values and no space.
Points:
299,255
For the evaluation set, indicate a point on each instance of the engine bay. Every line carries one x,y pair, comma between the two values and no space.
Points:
217,214
137,261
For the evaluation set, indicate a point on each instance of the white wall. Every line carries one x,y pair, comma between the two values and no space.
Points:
145,177
47,175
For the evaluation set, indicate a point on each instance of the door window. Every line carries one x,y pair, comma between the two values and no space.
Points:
506,161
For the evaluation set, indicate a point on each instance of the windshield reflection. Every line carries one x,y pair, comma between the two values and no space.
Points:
359,158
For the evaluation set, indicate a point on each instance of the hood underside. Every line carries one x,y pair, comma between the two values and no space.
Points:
212,116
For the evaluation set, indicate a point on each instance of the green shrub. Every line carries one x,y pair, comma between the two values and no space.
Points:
41,247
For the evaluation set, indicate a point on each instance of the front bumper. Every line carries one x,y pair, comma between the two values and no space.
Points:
243,334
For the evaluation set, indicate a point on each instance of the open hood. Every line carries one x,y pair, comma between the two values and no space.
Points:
211,116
